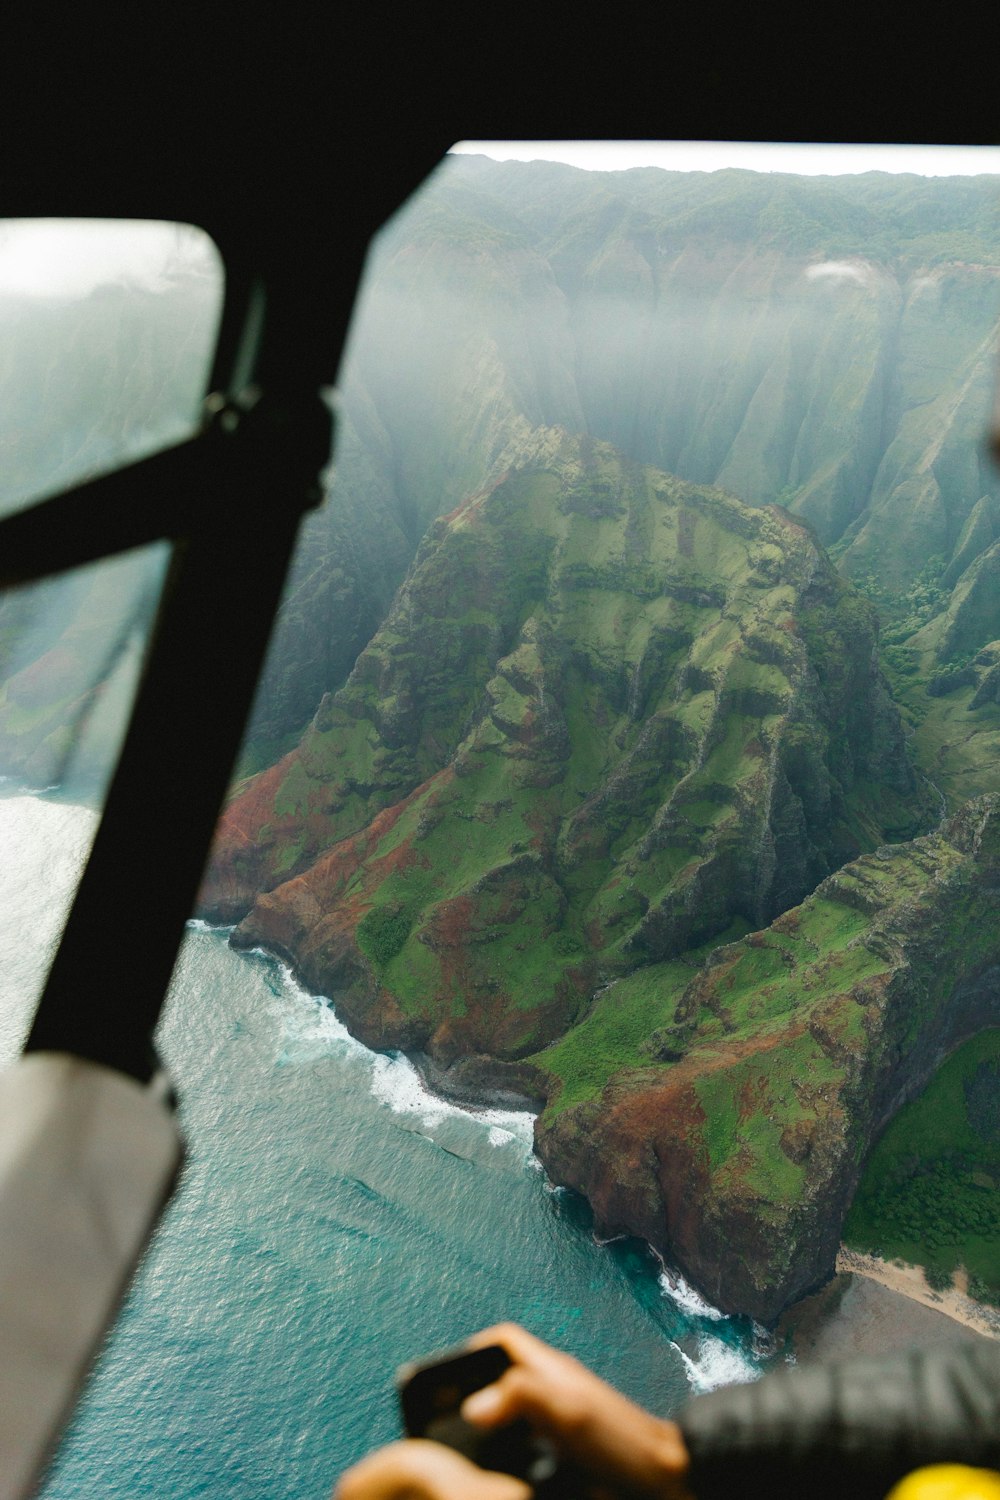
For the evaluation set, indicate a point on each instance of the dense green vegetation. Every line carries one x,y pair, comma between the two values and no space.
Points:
382,933
930,1194
610,716
904,612
953,720
759,1091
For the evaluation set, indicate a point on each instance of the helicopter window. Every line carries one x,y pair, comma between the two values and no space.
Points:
107,332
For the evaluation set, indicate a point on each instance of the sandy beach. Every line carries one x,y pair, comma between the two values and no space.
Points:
872,1306
910,1282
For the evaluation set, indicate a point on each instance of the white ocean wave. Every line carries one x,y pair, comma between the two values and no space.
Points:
311,1028
316,1031
397,1083
310,1025
717,1364
680,1292
197,924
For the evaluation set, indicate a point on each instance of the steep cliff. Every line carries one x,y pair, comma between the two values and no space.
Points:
831,343
788,1053
609,716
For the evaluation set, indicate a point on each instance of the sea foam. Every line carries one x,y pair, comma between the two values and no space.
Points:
716,1364
398,1084
311,1028
681,1292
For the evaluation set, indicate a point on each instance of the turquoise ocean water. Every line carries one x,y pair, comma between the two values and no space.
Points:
333,1220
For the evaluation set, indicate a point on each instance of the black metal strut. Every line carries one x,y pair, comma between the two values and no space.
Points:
231,499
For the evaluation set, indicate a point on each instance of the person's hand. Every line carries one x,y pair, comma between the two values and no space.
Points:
607,1436
420,1470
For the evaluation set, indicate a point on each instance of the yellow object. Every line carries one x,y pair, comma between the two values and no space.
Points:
948,1482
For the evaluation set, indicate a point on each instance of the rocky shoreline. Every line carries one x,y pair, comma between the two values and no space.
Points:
482,1082
867,1307
755,1227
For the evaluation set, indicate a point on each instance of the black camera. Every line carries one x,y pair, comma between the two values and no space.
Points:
431,1392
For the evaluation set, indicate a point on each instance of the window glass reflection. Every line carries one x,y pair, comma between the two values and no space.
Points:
107,330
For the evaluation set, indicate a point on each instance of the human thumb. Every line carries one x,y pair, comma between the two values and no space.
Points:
494,1404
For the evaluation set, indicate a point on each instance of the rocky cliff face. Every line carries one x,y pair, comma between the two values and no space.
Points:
790,1050
612,717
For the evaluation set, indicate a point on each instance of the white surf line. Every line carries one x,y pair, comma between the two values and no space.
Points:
395,1080
716,1364
397,1083
684,1296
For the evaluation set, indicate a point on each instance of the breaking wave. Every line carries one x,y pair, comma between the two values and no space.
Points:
197,924
398,1084
311,1028
681,1292
309,1216
716,1364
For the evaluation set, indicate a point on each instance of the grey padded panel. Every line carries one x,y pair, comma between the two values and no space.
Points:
87,1159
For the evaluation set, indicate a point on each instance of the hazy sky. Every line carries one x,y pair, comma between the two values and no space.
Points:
710,156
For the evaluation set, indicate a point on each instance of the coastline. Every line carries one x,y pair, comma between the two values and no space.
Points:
876,1307
481,1083
870,1306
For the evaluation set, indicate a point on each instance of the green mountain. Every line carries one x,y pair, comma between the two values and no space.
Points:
668,699
611,718
736,1139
